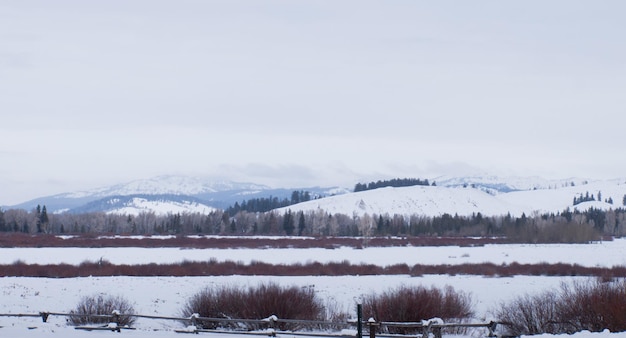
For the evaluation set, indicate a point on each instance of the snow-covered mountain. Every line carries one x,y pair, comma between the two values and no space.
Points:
165,194
466,196
139,203
166,185
489,195
495,185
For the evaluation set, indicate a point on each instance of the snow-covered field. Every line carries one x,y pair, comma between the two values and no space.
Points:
164,296
605,254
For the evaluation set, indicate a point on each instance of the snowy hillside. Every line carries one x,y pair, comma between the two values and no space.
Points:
205,189
558,199
136,204
166,194
139,205
494,184
489,195
465,200
422,200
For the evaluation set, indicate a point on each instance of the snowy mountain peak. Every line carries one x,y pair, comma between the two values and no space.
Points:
489,195
495,184
169,184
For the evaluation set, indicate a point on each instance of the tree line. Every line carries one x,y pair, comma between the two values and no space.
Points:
566,226
264,204
589,198
396,182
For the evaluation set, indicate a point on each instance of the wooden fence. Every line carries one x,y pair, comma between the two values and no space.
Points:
273,326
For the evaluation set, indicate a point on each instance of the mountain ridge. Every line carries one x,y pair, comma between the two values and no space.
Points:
461,195
199,194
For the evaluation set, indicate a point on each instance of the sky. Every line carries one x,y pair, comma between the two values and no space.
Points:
303,93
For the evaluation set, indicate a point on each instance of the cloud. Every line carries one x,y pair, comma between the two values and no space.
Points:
308,92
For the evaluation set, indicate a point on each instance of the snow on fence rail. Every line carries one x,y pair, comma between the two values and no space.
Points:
271,325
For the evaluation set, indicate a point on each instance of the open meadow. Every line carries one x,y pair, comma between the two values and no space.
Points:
165,295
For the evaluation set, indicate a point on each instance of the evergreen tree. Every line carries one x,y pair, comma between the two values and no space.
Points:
3,225
301,224
380,225
38,218
567,214
295,197
288,225
43,218
396,182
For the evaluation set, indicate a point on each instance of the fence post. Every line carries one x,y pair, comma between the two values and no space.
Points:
194,320
359,321
272,322
426,329
437,332
44,316
116,319
372,327
492,328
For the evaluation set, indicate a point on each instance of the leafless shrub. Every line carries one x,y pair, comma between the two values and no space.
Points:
97,240
593,306
227,268
417,303
97,309
255,302
285,302
530,315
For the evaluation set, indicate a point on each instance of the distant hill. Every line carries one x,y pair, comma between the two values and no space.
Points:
489,195
467,196
164,194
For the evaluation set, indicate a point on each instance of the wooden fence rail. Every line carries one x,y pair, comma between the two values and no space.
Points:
271,326
432,326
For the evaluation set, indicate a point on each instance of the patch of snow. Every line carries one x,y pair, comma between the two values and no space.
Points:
605,254
142,205
164,296
438,200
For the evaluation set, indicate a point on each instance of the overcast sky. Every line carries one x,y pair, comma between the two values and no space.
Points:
301,93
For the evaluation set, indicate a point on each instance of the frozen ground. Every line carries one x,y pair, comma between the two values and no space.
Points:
606,254
164,296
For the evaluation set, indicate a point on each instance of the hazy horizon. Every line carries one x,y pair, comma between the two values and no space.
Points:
307,93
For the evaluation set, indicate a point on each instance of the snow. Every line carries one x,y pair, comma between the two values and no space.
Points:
464,196
605,254
141,205
163,185
453,199
164,296
421,200
510,183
